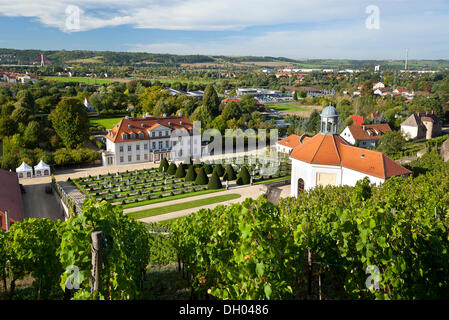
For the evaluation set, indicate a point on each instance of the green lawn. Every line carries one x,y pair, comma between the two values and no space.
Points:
85,80
273,180
169,198
107,123
287,107
182,206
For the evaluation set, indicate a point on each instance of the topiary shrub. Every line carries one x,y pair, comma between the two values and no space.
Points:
207,168
180,172
172,169
191,174
229,173
202,178
244,176
163,167
219,169
214,182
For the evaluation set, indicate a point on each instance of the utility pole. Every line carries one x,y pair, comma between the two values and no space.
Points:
7,220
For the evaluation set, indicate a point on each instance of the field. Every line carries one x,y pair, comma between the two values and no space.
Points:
295,108
182,206
85,80
107,123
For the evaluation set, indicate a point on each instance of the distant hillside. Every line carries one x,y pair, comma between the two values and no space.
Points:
109,58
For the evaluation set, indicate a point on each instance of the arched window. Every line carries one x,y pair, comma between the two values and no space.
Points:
300,185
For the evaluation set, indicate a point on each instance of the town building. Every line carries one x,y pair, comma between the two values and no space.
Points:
328,159
310,91
364,136
421,125
10,199
148,139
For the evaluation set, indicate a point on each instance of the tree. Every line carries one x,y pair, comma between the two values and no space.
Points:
191,174
230,173
203,114
8,127
180,172
210,100
231,111
172,168
20,115
71,122
31,135
243,176
163,166
214,182
391,142
201,178
295,96
313,125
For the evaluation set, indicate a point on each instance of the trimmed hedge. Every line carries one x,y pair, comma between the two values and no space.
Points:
164,165
191,174
219,169
230,173
214,182
202,178
180,172
244,176
207,168
172,169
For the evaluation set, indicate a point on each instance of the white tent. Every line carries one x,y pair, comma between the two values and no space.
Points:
24,171
42,169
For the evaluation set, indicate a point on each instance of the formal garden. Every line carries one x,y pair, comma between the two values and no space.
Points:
140,187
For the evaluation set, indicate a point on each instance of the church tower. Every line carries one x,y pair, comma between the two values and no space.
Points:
329,120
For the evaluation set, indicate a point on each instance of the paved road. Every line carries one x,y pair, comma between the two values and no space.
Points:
38,204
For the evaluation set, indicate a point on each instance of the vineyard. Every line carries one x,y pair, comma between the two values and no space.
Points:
364,242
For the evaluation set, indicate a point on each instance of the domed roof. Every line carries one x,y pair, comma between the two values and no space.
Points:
329,111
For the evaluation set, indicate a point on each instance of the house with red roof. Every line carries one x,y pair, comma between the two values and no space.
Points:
137,140
328,159
10,199
364,136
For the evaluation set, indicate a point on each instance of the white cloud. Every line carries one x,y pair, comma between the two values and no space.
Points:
205,14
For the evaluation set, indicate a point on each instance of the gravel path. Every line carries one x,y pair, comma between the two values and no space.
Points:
245,192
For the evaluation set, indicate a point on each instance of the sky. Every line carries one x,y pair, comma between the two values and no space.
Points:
298,29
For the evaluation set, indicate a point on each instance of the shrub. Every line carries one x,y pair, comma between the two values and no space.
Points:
207,168
229,173
164,165
202,178
214,182
219,169
191,174
172,169
244,176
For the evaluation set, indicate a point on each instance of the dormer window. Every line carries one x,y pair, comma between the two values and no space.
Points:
133,135
125,136
141,135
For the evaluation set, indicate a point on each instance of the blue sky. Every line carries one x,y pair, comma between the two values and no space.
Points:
289,28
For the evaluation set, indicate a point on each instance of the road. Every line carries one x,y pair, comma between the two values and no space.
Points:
38,204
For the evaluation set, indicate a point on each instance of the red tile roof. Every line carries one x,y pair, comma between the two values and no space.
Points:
369,131
134,125
293,141
10,196
357,120
334,150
